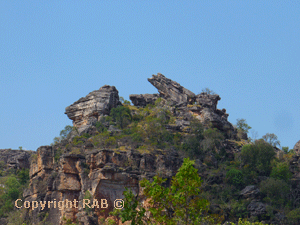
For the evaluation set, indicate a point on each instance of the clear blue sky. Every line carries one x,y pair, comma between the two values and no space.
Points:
54,52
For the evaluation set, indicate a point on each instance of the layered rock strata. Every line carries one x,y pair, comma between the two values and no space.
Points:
102,173
171,90
87,110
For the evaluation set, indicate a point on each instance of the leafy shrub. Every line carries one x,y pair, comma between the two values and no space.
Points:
280,170
239,208
11,192
245,222
65,133
294,216
121,115
212,140
57,154
110,142
258,157
242,125
192,142
276,191
23,176
100,126
235,177
81,139
88,196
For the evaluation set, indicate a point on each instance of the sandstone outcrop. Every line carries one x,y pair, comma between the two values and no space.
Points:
87,110
297,148
143,100
102,173
186,105
171,90
18,159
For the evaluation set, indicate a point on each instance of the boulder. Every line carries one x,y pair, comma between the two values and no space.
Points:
297,148
207,100
256,208
87,110
171,90
250,191
143,99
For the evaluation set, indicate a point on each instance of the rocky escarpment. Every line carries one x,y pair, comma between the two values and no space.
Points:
98,173
88,110
102,173
18,159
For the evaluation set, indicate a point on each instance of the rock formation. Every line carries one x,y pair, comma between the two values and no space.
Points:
143,100
203,106
102,173
297,148
18,159
87,110
170,90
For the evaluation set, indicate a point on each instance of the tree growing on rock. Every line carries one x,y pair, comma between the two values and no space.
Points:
178,204
208,91
271,139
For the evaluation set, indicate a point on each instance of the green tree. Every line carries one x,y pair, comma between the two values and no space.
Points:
178,204
65,133
132,211
23,176
121,115
280,170
276,191
257,157
212,140
192,141
235,177
271,139
242,129
10,193
285,149
242,125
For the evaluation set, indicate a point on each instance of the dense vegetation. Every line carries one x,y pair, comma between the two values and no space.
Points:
12,184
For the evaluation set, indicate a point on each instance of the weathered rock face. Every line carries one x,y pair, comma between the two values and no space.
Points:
171,90
143,100
256,208
102,173
203,106
207,101
297,148
18,159
87,110
250,192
